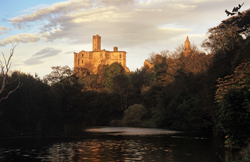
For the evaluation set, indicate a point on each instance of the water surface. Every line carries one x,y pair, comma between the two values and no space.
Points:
121,144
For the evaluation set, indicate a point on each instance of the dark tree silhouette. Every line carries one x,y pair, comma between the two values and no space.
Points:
241,21
229,13
235,10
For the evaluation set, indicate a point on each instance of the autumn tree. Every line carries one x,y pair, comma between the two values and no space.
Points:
222,39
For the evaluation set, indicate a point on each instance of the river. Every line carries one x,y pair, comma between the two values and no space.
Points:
116,144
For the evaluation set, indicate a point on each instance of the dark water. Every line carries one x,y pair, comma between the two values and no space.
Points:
111,144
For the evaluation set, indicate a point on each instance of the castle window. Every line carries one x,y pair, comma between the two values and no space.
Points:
78,62
107,56
76,55
82,55
120,56
82,61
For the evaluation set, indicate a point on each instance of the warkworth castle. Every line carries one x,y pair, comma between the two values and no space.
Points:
96,59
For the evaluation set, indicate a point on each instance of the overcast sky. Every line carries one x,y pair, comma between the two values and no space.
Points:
49,31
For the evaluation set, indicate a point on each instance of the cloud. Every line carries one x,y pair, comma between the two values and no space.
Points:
32,9
55,9
33,61
115,2
20,38
3,30
122,23
38,57
139,20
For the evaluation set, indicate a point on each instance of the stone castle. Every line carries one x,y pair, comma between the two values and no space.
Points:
95,60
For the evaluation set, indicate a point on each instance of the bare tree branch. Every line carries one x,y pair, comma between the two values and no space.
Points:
4,73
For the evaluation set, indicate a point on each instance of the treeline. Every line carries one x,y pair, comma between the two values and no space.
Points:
178,91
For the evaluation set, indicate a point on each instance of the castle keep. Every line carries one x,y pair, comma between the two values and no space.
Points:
96,59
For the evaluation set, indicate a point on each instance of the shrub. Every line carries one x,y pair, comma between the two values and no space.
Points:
134,115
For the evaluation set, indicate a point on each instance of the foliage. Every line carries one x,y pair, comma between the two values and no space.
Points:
162,75
58,73
233,96
87,80
178,105
110,71
122,86
134,115
222,39
228,34
97,108
241,156
32,108
240,21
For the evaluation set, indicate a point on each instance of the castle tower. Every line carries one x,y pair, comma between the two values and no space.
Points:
96,43
187,49
94,60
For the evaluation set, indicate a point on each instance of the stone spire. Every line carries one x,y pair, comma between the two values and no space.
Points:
187,49
187,44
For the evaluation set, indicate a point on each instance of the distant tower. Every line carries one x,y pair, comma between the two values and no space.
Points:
187,49
96,43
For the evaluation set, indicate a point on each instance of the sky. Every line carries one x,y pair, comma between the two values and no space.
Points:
47,32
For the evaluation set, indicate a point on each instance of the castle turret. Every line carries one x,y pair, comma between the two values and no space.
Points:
96,43
187,49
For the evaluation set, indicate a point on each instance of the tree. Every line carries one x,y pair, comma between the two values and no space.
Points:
110,71
34,107
228,33
233,99
222,39
162,75
134,115
5,67
122,86
58,74
241,21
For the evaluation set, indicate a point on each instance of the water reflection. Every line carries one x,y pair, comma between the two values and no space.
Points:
115,145
131,131
97,150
